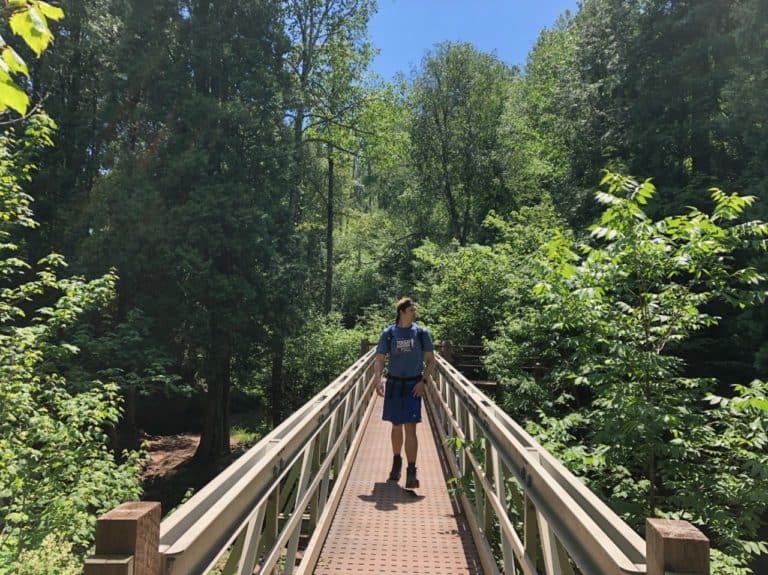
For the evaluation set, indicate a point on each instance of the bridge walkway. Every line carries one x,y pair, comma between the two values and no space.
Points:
381,527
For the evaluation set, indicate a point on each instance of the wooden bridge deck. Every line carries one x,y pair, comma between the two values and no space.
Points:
381,528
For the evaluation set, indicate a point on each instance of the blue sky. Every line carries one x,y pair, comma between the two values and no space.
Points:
404,30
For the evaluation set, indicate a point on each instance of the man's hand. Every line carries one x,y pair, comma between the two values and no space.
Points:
380,387
420,389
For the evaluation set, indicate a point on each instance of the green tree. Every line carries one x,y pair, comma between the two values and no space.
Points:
329,57
74,80
110,110
457,100
388,190
535,135
317,354
191,203
359,281
742,118
674,126
329,52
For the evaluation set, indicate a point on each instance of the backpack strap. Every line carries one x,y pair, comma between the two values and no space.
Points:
390,335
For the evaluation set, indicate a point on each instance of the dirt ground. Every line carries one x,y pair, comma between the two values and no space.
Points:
170,474
167,453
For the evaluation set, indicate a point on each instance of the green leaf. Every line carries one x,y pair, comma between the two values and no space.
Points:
14,61
11,96
759,403
15,517
31,26
52,12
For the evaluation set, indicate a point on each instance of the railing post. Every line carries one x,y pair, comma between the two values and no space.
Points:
446,350
365,345
127,541
674,546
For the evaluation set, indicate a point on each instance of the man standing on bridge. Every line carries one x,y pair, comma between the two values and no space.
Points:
410,349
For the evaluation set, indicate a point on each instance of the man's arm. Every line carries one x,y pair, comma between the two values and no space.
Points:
429,365
378,367
420,389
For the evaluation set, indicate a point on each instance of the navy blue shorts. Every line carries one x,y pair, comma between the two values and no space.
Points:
399,404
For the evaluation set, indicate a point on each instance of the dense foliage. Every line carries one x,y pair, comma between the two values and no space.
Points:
56,469
607,323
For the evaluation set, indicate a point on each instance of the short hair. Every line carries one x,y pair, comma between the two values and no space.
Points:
403,304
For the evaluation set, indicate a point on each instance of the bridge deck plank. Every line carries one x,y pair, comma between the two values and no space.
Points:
381,528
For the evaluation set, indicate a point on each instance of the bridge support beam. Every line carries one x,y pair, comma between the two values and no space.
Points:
127,541
674,546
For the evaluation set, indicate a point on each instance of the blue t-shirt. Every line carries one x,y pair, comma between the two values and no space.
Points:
404,349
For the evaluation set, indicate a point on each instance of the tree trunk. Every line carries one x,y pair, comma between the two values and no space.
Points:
329,239
294,197
214,439
453,213
199,45
126,429
464,234
276,384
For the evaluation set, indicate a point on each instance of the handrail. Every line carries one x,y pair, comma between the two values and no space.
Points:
515,495
257,505
562,520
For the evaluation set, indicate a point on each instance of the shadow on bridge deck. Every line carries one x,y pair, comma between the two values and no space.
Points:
381,528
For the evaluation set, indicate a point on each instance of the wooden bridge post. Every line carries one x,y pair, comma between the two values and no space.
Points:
365,345
675,546
127,541
446,350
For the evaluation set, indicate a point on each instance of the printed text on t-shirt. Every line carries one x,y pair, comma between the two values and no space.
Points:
404,345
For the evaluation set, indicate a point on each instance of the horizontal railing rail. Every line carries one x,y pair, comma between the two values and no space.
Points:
521,501
251,517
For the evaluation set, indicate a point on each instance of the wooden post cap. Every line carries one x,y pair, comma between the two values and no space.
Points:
676,546
131,529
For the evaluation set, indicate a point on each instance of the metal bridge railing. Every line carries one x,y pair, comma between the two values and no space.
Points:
518,499
524,503
251,517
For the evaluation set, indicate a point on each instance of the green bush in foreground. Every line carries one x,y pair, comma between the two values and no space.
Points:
56,470
614,398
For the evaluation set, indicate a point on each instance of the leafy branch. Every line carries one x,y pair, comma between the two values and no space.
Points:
28,19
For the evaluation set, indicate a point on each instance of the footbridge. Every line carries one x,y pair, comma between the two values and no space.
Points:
313,497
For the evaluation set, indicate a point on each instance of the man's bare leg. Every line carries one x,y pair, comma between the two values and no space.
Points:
411,443
397,447
411,450
397,439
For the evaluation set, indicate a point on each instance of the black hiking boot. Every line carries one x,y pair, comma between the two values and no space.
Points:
397,466
410,477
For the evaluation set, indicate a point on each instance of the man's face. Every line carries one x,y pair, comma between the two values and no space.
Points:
409,313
